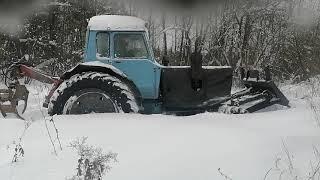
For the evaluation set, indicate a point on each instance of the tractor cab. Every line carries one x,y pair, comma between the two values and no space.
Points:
122,42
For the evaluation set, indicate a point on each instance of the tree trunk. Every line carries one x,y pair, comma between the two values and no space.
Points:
165,49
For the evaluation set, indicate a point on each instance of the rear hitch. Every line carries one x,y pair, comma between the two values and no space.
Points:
10,98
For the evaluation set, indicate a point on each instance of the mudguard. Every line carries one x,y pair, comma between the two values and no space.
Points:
95,67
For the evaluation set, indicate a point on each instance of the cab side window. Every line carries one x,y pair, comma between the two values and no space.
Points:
130,46
103,44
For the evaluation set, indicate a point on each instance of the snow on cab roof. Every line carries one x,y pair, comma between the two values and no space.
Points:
116,23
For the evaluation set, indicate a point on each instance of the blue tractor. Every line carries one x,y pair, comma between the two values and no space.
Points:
120,74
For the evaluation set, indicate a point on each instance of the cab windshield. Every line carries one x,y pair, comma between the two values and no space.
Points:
130,46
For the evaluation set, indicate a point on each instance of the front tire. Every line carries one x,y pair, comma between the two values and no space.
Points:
92,92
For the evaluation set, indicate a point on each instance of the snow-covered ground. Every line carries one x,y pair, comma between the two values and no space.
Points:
244,147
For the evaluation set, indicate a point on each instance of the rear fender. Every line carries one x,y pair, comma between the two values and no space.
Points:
95,67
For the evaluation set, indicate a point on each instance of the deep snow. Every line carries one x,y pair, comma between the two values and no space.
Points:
166,147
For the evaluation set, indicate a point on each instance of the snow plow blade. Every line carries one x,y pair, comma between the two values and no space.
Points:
278,96
264,94
257,95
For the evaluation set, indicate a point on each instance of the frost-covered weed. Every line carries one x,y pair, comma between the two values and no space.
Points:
309,91
315,108
92,163
314,98
285,168
222,174
18,152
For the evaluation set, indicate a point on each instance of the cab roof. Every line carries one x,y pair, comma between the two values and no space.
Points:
116,23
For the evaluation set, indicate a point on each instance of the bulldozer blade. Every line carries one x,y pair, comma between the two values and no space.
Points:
270,94
258,95
277,96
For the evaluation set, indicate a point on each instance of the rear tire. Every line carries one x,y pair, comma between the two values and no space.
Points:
93,92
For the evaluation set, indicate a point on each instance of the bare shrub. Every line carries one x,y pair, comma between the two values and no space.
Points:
93,163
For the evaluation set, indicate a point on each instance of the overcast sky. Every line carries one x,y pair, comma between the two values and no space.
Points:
12,12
